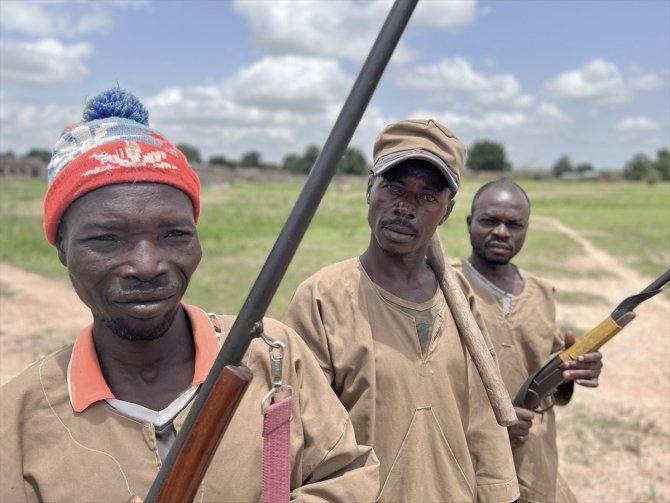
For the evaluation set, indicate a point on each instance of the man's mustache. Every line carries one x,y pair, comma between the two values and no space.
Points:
499,241
134,285
400,222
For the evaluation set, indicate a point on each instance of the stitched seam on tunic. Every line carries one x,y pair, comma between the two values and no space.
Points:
72,437
439,427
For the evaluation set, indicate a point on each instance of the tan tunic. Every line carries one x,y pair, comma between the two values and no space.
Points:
427,418
525,335
51,453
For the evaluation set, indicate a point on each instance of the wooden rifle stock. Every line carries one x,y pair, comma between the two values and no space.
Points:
195,455
544,381
196,430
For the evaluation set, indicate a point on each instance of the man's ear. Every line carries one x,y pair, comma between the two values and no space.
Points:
367,191
468,220
452,202
62,256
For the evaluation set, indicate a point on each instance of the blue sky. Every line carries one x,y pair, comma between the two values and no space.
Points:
585,78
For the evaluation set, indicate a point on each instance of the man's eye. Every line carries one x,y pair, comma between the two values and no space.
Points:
428,197
176,234
393,188
104,237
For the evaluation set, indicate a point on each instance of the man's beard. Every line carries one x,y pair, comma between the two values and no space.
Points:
121,329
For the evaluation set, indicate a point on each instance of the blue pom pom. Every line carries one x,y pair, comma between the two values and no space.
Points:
116,103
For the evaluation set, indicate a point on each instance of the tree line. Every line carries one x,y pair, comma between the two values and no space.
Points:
483,155
353,161
486,155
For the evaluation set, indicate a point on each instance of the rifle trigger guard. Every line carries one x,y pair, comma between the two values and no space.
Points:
541,410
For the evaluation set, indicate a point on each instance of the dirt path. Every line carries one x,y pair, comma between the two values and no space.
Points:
37,316
614,442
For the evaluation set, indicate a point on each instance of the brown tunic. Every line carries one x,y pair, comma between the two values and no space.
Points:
426,416
525,335
51,453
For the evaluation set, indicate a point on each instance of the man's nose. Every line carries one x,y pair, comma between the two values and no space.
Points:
405,209
147,261
501,230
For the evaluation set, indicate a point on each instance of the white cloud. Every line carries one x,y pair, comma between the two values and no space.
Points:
54,18
277,105
304,84
45,62
334,29
345,28
647,82
29,125
457,75
441,14
599,81
636,124
545,117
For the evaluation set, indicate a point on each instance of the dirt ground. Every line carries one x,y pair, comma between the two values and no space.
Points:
614,441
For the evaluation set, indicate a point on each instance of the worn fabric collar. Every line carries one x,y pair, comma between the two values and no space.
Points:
86,384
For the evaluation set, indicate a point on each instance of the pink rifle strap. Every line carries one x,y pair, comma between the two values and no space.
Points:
277,452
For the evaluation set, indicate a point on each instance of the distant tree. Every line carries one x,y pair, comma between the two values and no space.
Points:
562,165
219,160
662,163
353,162
301,165
41,154
639,168
251,159
310,155
191,153
486,155
293,164
7,153
584,168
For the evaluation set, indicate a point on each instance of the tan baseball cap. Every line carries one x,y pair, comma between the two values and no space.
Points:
420,139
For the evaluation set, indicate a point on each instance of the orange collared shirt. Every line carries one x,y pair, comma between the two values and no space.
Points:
87,385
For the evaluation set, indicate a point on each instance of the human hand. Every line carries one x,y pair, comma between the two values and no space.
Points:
586,368
135,499
518,432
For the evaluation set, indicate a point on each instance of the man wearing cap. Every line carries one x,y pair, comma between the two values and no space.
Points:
386,339
520,310
94,421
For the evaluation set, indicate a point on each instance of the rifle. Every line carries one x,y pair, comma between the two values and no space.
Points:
543,382
186,463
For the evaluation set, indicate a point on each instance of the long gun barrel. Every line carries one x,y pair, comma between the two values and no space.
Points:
543,382
182,472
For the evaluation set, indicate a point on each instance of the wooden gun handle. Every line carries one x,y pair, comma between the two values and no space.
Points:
200,446
596,337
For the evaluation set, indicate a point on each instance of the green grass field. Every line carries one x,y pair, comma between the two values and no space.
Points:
240,223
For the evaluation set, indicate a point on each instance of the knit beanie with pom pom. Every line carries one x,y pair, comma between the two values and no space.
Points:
113,145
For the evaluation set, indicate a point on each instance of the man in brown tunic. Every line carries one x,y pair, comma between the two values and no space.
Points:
386,339
520,312
94,421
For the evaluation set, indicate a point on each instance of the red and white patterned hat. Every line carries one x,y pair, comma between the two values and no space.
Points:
113,145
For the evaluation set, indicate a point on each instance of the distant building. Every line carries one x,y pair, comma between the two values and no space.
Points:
22,167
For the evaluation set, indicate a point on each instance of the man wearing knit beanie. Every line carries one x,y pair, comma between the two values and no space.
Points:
390,341
94,421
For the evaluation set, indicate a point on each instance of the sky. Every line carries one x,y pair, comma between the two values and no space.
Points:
586,78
